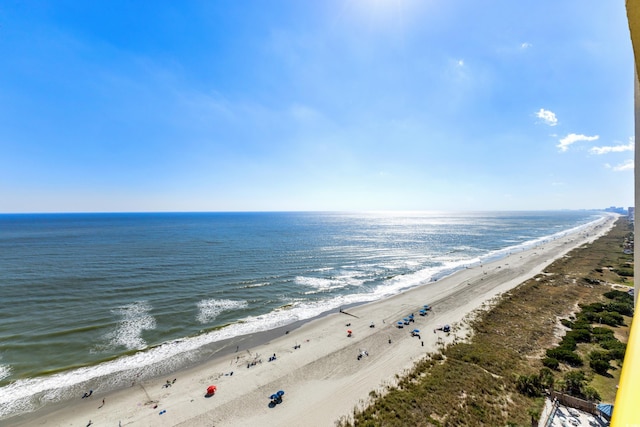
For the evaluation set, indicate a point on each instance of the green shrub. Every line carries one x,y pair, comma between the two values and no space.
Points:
579,335
616,349
567,323
546,377
582,323
565,355
529,385
551,363
624,308
625,272
595,307
602,334
568,343
591,394
619,296
599,355
599,362
611,318
573,383
600,366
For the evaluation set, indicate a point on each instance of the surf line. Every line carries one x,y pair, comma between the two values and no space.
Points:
349,314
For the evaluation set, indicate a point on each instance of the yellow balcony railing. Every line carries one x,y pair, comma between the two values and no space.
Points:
626,410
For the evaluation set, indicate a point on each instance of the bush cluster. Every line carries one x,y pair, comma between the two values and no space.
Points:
608,313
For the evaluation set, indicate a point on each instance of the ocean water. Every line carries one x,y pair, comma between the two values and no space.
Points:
97,300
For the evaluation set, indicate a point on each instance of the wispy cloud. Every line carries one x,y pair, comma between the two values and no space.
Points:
573,138
614,148
525,45
548,117
624,166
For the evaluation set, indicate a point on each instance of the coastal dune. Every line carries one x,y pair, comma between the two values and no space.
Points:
323,372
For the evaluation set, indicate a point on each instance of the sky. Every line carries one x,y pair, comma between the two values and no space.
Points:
332,105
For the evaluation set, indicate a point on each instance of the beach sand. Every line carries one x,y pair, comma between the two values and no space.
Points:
323,379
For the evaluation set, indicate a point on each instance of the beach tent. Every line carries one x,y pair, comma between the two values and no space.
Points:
605,409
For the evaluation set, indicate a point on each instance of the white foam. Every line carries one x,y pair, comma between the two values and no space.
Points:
5,371
257,285
319,283
209,309
134,319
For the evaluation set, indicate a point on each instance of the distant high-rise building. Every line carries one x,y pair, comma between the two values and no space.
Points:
618,210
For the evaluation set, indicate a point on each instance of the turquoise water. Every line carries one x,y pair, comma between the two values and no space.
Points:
96,299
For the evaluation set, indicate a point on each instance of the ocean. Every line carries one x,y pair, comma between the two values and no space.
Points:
96,301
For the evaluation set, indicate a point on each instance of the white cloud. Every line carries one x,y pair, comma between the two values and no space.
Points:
573,138
525,45
549,117
613,149
461,62
626,166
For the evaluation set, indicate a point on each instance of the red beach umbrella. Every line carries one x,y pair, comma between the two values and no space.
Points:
211,389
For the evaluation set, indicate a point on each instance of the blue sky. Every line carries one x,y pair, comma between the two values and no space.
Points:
315,105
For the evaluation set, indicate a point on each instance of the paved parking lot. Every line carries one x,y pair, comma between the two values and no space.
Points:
569,417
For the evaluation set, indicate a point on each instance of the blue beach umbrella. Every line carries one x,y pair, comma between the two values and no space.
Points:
417,331
273,396
280,393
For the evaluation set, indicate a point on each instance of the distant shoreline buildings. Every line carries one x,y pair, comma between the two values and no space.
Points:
621,211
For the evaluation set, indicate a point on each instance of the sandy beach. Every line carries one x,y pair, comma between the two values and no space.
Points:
316,364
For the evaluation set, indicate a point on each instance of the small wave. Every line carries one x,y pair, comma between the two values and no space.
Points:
134,319
5,371
319,284
208,310
256,285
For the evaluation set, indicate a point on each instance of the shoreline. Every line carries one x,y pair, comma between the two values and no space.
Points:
323,379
